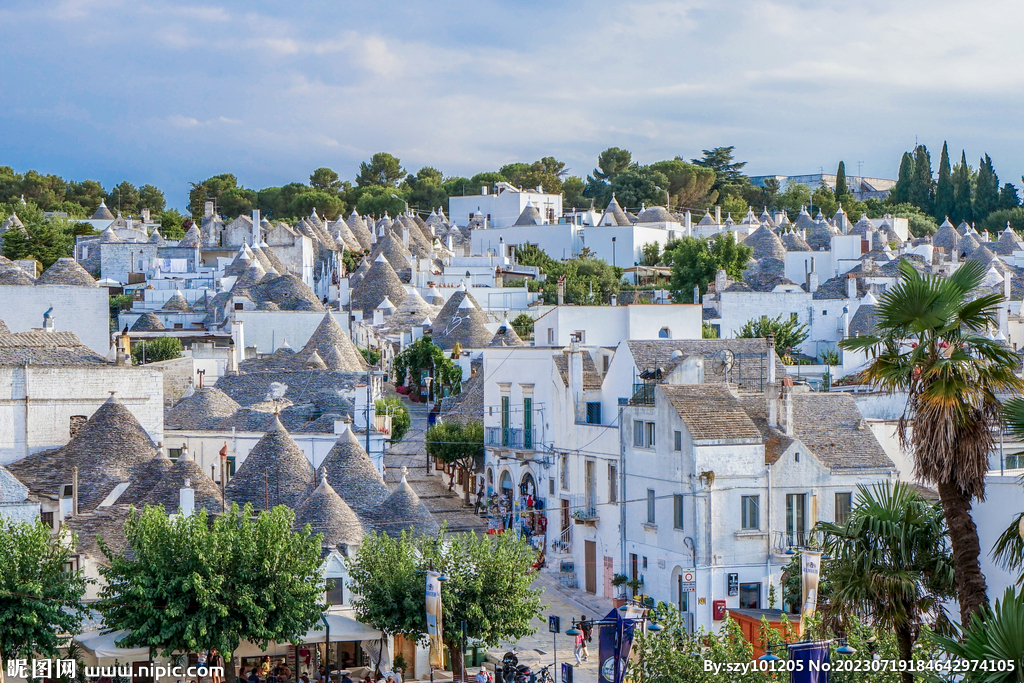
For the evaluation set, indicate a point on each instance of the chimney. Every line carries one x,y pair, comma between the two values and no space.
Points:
561,292
145,215
687,221
187,499
576,379
483,191
846,321
851,286
812,282
74,490
787,406
124,349
696,294
721,281
770,341
256,227
615,300
238,339
208,210
718,215
1004,309
405,236
48,320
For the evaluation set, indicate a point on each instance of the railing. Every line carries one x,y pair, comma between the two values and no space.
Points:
785,541
510,437
563,543
582,507
643,395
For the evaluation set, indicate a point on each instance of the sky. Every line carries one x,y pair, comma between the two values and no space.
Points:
171,91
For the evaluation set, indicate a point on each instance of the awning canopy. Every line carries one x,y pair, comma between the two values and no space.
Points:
342,629
105,645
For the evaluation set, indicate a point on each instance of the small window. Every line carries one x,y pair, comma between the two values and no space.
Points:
650,435
677,511
677,443
46,518
174,454
643,562
664,333
824,312
638,433
551,335
750,512
607,361
750,596
239,305
650,506
231,466
796,456
613,484
844,503
593,412
565,473
551,487
335,591
581,336
178,326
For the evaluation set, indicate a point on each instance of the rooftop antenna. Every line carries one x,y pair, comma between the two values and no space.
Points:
859,164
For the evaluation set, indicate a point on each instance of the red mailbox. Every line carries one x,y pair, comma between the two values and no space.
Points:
718,607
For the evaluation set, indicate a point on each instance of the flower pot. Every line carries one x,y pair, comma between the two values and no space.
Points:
618,602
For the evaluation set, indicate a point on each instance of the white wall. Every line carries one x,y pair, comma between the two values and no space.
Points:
563,241
504,208
82,310
267,330
608,325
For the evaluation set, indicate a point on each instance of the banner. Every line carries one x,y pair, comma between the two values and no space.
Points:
615,645
434,626
811,656
810,566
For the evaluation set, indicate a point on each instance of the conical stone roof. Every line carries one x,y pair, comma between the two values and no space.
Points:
204,410
380,281
462,322
148,322
794,242
275,260
13,274
108,236
766,244
276,468
506,336
156,238
355,477
359,229
615,212
329,339
177,302
192,238
167,492
66,271
102,213
403,510
395,251
529,216
327,513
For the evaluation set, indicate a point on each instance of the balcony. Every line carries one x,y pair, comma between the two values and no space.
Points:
788,543
583,509
643,395
510,437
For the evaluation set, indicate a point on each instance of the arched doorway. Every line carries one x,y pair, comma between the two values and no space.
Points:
505,485
527,485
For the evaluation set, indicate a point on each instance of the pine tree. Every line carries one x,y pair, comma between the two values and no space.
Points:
1008,197
901,191
922,186
945,200
963,208
986,196
841,189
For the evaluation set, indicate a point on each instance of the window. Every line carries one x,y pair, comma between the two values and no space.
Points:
643,562
750,596
751,512
581,336
650,506
551,335
796,456
551,487
606,362
565,473
650,435
824,312
528,422
506,418
593,412
174,454
46,518
638,433
844,502
613,484
335,591
590,482
677,441
795,517
239,305
231,466
664,333
677,511
179,326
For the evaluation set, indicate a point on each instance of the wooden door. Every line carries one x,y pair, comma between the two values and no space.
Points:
590,565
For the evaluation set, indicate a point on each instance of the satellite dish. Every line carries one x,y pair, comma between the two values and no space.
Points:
722,362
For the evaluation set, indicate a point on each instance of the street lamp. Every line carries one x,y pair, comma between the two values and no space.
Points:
395,196
613,252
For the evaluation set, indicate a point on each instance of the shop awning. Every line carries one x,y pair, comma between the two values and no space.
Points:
343,629
105,645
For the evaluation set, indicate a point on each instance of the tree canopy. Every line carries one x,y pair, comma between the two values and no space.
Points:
696,260
789,334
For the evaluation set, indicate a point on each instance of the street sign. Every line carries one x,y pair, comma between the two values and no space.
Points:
734,584
554,624
689,577
689,586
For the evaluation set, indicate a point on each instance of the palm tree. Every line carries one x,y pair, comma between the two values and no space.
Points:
931,345
995,634
1009,547
890,563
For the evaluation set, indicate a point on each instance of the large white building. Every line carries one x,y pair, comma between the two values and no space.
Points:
502,205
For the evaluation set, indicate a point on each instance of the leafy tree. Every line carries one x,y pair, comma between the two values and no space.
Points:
237,201
900,193
400,419
573,193
87,194
485,178
995,634
423,358
124,199
696,260
326,204
640,185
945,198
1008,197
461,445
155,350
922,186
152,198
488,586
188,583
210,189
458,186
986,196
709,331
427,189
963,205
951,372
171,222
920,223
44,239
824,200
325,179
689,185
727,170
841,190
371,356
38,599
890,562
997,220
611,163
789,333
523,325
383,170
650,254
793,196
546,173
378,200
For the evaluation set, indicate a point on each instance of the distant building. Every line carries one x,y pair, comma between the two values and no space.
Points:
861,188
503,206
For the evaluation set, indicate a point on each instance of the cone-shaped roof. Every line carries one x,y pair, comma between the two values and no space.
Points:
967,245
177,302
355,477
327,513
102,213
13,274
819,237
315,361
204,410
66,271
275,468
359,229
380,281
404,510
794,242
803,220
156,238
946,237
167,492
506,336
192,238
615,213
262,259
252,276
330,337
766,244
148,322
274,259
463,325
394,250
289,292
529,216
108,236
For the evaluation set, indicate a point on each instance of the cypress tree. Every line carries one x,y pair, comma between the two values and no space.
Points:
944,197
1008,198
841,189
921,187
986,196
900,193
963,209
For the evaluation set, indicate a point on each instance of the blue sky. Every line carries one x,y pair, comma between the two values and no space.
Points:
167,92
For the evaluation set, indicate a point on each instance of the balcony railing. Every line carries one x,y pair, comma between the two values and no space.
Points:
643,395
510,437
583,508
785,541
563,544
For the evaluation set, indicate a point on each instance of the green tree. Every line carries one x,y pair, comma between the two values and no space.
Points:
155,350
87,194
945,197
841,190
922,186
422,359
237,201
39,599
963,205
789,333
325,179
152,198
171,222
611,162
545,173
487,587
458,187
986,196
689,185
383,170
997,220
696,260
995,635
378,200
400,418
427,189
900,193
44,239
461,445
640,185
327,204
951,372
1008,197
188,583
124,199
727,170
573,193
210,189
523,325
920,223
650,254
890,563
709,331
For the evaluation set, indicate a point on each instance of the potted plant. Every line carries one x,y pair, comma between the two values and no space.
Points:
619,580
635,585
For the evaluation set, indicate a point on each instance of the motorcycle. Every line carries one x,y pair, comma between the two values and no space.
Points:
514,672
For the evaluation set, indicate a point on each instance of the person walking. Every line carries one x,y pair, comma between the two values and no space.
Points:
216,664
588,635
578,649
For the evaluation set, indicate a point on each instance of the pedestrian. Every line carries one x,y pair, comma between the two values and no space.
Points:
588,635
345,678
265,666
578,649
482,676
398,675
200,665
254,675
216,664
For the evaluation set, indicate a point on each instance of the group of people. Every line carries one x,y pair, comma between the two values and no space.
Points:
585,636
